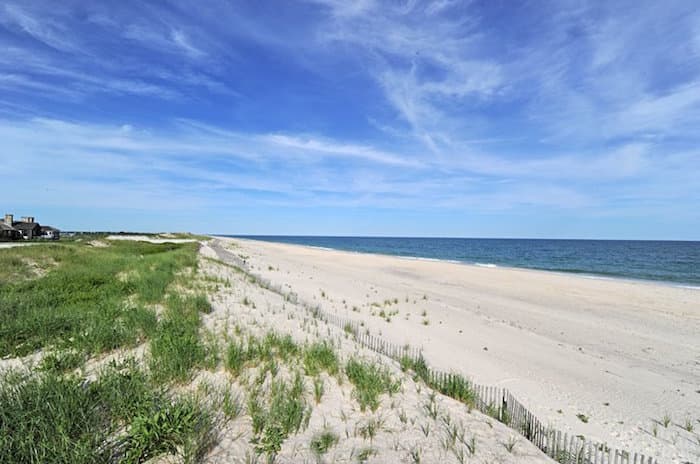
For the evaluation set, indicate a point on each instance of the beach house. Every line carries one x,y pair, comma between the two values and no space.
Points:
7,232
26,228
50,233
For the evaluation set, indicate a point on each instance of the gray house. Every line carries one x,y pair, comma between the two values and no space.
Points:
8,232
26,228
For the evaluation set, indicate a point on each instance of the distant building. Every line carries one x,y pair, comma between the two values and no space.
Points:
8,232
26,228
50,233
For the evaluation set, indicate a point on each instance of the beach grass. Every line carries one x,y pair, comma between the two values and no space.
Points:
86,298
322,442
176,347
279,413
52,417
78,299
370,381
319,357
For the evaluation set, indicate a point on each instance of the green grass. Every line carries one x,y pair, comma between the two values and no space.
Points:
418,366
89,299
457,387
260,351
76,300
319,389
283,412
187,235
315,358
181,425
236,357
62,361
369,381
322,442
319,357
176,347
453,385
51,417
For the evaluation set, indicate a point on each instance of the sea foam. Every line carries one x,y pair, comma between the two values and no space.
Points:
489,265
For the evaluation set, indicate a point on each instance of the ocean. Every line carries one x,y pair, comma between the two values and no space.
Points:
676,262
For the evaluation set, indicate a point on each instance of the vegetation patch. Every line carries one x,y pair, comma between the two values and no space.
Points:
176,347
370,381
322,442
275,416
320,357
121,416
79,303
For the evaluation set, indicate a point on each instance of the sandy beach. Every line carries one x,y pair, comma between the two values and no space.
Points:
608,359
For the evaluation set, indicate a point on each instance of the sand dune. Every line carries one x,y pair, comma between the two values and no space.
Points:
412,425
604,358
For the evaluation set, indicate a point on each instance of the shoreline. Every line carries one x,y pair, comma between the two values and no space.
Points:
581,274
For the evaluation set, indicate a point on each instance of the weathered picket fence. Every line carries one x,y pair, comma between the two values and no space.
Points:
497,402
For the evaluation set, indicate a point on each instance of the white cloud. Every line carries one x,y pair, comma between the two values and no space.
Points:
676,112
470,116
48,32
420,62
198,163
181,39
315,145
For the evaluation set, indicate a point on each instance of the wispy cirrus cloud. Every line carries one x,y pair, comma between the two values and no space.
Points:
51,33
211,160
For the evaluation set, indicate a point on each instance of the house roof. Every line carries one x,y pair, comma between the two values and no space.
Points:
49,229
4,226
25,225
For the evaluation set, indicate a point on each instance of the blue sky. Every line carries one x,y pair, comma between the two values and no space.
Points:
443,118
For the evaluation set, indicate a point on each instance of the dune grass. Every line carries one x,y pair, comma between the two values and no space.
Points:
278,414
77,300
320,356
322,442
176,347
369,381
260,350
315,357
50,417
90,299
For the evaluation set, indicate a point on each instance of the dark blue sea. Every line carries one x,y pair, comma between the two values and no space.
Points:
666,261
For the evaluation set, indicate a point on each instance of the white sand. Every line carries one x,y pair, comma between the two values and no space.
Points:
418,434
624,354
151,239
15,244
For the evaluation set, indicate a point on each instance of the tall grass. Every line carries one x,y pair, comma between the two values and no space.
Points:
370,381
176,347
57,418
283,412
87,300
319,357
264,350
90,299
454,385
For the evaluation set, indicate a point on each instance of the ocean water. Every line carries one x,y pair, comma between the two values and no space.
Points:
666,261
